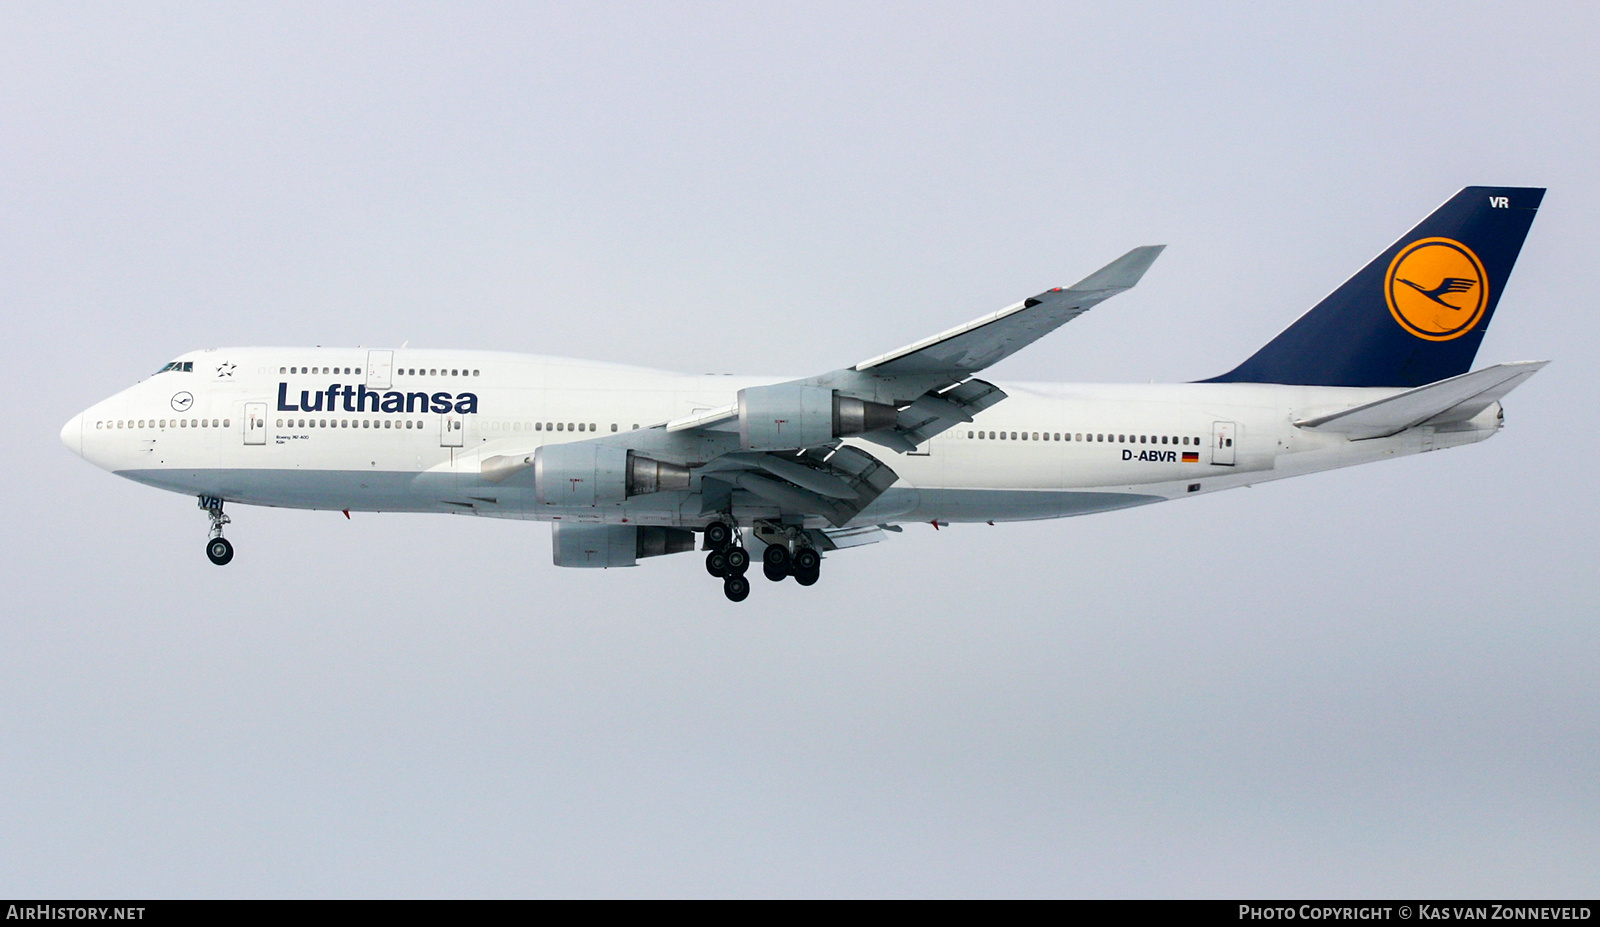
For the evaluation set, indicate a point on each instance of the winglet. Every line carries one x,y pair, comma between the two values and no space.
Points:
1122,273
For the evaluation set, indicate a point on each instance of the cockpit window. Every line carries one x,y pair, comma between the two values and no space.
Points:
178,367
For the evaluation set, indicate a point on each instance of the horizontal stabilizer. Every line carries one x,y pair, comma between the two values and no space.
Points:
1456,399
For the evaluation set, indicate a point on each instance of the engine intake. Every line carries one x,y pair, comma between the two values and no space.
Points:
788,416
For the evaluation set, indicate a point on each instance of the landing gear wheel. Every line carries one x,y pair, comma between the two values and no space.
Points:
806,578
219,550
719,535
775,555
807,560
736,588
738,561
717,563
776,573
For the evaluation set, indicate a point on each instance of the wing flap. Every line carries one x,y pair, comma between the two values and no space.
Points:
833,482
1455,399
856,536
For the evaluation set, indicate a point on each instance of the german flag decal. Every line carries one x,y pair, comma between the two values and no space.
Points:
1191,456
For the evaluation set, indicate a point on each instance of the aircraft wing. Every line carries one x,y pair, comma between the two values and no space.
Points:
967,349
779,447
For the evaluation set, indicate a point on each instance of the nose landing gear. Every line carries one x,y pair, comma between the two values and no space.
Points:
218,550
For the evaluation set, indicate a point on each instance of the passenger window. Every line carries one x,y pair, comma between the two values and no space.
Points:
569,426
280,423
283,369
538,426
560,426
225,423
474,373
613,424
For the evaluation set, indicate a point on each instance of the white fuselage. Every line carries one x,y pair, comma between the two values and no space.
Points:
407,430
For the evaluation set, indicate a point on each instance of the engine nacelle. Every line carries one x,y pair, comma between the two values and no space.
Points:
599,546
787,416
585,474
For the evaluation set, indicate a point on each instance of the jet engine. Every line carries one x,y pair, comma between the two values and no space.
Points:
597,546
591,474
787,416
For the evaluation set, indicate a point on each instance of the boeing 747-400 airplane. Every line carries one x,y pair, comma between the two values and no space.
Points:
627,463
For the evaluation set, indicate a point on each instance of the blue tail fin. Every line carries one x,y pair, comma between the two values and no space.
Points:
1417,313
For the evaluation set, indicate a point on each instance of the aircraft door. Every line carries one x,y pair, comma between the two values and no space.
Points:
451,430
1222,436
380,368
255,423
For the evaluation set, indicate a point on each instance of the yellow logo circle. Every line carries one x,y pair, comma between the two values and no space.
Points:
1437,289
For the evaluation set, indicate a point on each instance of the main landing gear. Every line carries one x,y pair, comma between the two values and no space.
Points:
728,560
218,549
786,555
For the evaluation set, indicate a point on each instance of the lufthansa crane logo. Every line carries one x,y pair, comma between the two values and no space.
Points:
182,401
1437,289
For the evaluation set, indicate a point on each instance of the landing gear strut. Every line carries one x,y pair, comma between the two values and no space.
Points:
218,549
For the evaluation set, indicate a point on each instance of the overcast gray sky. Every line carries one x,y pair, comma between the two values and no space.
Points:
1380,681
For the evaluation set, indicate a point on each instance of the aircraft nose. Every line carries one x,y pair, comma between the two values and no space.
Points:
72,434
